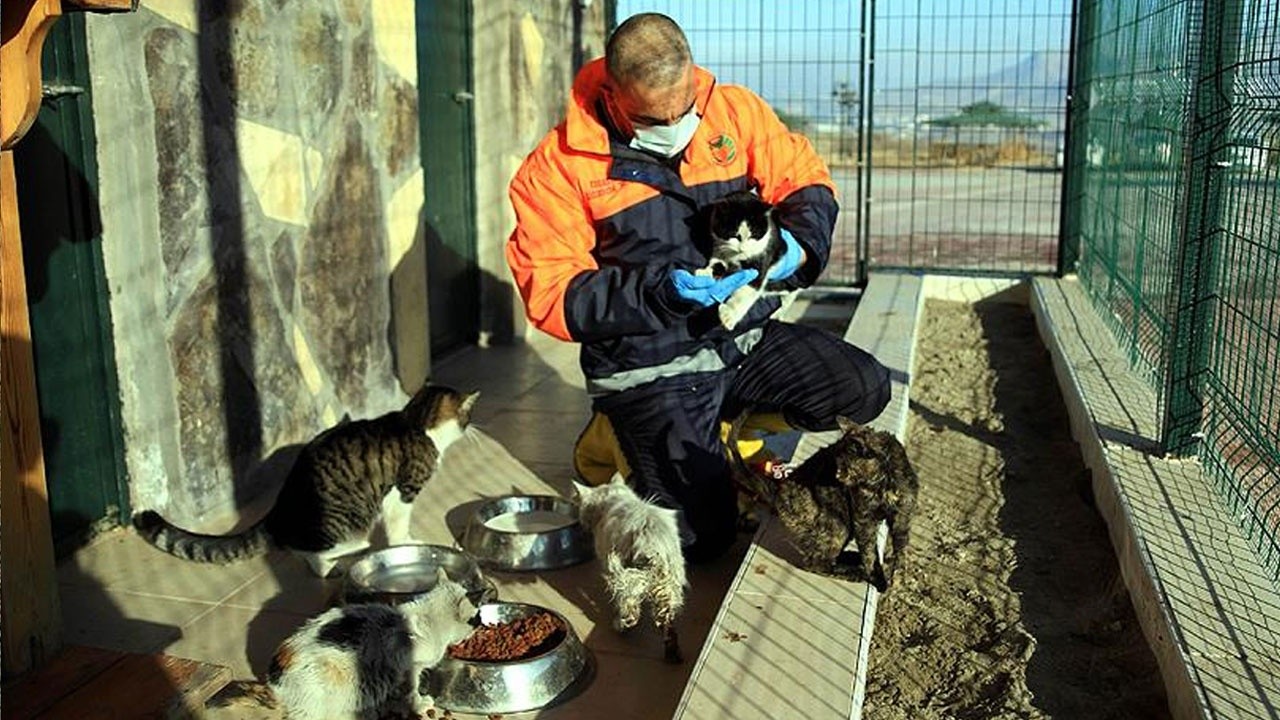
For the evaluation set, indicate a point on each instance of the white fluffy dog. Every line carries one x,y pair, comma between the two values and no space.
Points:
639,544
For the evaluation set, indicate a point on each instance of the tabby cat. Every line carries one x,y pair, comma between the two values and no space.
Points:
348,482
365,662
845,491
744,236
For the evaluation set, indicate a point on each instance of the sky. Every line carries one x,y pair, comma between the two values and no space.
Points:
794,52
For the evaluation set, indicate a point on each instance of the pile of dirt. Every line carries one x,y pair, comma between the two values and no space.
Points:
1008,603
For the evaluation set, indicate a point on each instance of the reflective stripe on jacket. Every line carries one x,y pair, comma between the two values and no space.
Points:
600,226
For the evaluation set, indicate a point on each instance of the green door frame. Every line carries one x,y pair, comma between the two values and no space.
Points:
447,148
57,178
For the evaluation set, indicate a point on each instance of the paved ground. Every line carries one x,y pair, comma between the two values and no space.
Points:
1002,219
119,593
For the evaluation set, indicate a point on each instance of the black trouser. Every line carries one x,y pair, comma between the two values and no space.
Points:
670,429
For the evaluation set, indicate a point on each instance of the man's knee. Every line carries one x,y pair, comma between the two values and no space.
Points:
870,392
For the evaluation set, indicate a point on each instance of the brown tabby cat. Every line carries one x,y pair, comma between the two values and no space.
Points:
341,487
843,492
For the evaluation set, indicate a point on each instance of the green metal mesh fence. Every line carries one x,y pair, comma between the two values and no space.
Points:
969,114
1174,221
942,120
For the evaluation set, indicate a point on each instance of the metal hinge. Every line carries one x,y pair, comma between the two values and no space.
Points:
54,91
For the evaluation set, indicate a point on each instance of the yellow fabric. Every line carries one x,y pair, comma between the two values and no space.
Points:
597,455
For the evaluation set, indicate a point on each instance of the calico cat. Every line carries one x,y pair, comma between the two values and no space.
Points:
349,481
365,662
639,543
744,236
843,492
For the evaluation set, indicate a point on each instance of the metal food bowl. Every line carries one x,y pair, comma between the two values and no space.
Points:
487,688
400,573
515,533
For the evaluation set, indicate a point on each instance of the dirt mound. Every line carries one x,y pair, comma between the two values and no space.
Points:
1008,603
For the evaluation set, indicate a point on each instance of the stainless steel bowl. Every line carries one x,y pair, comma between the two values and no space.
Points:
400,573
469,686
534,545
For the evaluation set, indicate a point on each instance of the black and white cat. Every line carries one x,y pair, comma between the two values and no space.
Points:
350,481
365,662
744,236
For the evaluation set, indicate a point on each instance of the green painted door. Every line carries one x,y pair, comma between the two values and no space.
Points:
57,179
445,116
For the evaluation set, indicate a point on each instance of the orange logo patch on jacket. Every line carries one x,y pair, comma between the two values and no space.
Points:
723,149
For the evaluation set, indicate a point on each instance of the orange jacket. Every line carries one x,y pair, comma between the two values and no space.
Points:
599,225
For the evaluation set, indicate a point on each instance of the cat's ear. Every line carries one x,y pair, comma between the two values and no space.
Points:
442,577
617,479
469,401
845,424
580,490
464,608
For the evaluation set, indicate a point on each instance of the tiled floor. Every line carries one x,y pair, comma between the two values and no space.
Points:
120,593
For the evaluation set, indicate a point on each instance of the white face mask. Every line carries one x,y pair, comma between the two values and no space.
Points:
667,140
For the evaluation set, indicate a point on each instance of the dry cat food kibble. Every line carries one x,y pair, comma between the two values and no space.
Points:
515,640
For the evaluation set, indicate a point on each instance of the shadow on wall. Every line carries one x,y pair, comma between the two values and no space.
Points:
60,223
441,302
46,223
241,406
499,305
408,332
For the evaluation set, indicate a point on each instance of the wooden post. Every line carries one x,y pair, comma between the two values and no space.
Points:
30,623
29,616
26,22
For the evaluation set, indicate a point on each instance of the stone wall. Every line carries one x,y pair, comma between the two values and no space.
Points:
261,192
524,54
260,183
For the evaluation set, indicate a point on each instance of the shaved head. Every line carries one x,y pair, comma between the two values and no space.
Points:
648,49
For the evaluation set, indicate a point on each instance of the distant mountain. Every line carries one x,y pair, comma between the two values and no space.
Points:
1035,85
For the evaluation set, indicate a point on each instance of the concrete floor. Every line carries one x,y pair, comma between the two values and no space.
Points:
120,593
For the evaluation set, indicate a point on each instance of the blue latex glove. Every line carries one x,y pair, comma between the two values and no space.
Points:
706,291
790,260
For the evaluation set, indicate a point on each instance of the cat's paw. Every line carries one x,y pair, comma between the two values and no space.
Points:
423,704
322,567
731,315
671,653
624,623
